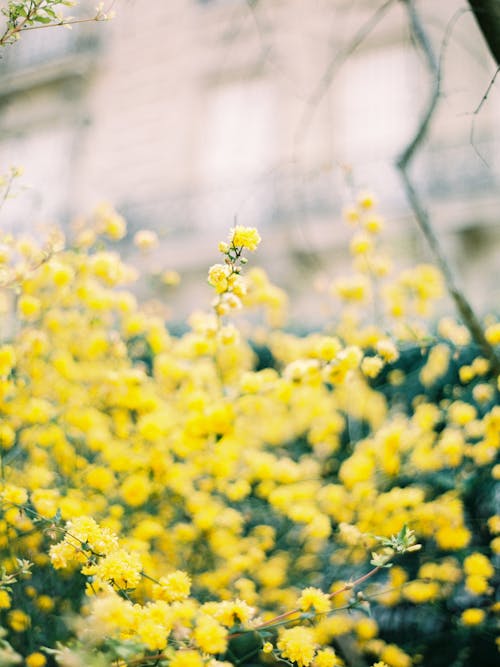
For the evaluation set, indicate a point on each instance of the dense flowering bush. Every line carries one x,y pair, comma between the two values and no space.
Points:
216,499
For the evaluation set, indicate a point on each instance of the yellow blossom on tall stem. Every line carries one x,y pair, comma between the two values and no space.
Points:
245,237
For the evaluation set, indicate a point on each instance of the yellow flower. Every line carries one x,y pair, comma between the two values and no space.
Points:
360,244
366,628
7,436
297,645
14,495
171,278
436,365
18,620
110,222
246,237
494,524
136,489
218,277
371,366
351,215
145,239
395,657
473,616
351,289
174,587
327,658
186,658
478,564
153,634
373,224
495,545
122,568
419,592
100,478
483,393
36,660
466,374
461,413
451,537
5,601
366,200
29,307
476,584
45,603
492,334
315,599
7,359
210,635
387,350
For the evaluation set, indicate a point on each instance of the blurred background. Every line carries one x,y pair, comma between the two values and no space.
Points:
191,115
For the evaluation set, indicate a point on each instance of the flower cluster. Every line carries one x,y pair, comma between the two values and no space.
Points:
209,498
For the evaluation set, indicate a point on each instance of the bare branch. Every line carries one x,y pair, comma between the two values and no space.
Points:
433,66
485,96
422,217
70,22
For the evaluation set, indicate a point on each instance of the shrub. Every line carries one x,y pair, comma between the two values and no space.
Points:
210,498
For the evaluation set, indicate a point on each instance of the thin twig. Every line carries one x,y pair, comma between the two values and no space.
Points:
62,23
476,112
7,189
403,164
10,32
485,96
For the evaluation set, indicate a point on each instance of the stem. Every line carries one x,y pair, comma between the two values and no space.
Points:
7,190
91,19
348,587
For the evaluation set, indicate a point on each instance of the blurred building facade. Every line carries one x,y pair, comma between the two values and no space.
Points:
189,115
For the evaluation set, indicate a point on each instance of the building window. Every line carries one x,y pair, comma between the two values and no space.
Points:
236,154
40,195
374,98
375,116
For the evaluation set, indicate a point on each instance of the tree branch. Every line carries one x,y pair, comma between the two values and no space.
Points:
403,164
487,14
